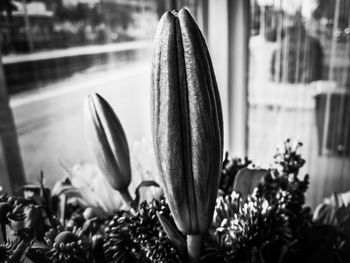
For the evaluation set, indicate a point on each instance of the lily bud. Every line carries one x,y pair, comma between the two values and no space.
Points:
107,140
186,122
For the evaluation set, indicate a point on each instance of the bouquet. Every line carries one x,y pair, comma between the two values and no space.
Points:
203,209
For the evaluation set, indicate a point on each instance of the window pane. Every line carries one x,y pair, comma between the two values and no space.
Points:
57,52
299,87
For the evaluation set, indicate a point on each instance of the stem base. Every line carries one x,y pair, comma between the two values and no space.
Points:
194,248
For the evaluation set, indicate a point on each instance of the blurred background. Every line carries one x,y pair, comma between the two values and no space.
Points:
282,67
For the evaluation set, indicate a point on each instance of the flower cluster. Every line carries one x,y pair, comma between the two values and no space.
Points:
271,224
247,230
283,185
66,246
288,160
140,237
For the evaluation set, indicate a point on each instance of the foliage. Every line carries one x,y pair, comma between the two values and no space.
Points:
140,237
335,211
271,225
230,167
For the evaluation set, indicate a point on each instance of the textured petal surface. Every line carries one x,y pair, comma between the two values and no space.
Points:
107,140
187,121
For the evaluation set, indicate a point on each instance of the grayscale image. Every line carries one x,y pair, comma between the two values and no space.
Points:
174,131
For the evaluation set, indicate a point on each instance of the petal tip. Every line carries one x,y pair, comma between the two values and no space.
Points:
184,13
167,17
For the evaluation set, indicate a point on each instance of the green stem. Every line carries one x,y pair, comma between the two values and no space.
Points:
194,248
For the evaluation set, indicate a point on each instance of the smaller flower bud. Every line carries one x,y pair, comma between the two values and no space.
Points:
107,140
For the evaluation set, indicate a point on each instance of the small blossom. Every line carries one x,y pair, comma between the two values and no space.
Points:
67,246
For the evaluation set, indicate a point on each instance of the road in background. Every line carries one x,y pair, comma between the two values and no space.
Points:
50,121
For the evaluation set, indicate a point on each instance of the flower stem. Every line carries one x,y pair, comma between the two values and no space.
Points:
194,248
126,197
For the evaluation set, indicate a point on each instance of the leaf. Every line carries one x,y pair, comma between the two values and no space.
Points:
173,234
247,179
324,213
45,195
334,211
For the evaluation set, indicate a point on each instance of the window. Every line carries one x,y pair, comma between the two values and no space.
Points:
299,87
57,52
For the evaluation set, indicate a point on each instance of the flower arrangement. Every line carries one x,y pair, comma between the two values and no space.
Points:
211,209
